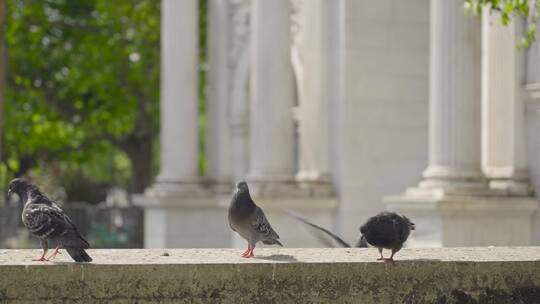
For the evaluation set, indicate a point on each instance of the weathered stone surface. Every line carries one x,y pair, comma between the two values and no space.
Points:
443,275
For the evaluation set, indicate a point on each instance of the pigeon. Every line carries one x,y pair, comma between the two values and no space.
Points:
360,244
249,221
48,222
387,230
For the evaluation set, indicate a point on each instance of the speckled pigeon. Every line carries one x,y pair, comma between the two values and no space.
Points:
48,222
249,221
387,230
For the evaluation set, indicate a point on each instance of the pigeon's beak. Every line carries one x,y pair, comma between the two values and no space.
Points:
413,226
9,193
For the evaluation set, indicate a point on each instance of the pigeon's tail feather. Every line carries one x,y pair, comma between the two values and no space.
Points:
78,254
362,242
336,238
272,242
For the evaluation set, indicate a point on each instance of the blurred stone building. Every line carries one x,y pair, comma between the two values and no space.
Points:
340,109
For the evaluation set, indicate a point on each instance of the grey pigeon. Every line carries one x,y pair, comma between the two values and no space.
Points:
48,222
249,221
360,244
387,230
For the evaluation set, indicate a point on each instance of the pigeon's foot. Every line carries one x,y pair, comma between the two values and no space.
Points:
247,252
42,258
56,251
386,259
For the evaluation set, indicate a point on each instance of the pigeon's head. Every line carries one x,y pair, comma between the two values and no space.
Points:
18,185
242,186
412,226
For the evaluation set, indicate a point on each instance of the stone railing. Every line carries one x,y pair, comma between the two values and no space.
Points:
443,275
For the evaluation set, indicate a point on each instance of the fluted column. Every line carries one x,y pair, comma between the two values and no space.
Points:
218,132
272,143
179,205
455,99
179,97
504,153
310,54
533,62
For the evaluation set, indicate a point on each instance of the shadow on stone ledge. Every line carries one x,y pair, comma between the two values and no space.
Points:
278,257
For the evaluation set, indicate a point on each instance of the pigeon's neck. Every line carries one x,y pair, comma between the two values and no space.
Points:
33,195
243,204
24,197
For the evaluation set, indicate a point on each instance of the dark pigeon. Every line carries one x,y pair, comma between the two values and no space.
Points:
360,244
387,230
249,221
48,222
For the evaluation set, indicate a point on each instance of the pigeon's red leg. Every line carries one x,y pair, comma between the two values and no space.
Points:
381,258
247,251
391,258
56,251
42,258
45,247
250,253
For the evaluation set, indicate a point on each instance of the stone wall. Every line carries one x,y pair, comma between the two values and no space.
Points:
442,275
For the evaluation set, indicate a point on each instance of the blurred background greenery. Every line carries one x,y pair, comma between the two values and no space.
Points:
82,94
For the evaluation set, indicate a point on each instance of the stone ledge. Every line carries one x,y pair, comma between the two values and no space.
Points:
438,275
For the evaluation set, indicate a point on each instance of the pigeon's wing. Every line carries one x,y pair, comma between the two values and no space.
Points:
261,225
401,228
51,222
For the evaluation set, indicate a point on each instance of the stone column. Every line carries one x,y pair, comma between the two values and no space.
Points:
179,97
311,39
272,142
178,210
455,99
239,14
532,108
219,81
503,140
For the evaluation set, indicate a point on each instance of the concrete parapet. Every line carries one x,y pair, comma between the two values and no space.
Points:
289,275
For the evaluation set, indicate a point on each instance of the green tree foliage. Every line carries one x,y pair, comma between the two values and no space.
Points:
527,9
83,85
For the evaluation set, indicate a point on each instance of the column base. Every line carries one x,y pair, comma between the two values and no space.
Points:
508,181
223,186
440,180
274,186
466,220
165,187
182,215
315,183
